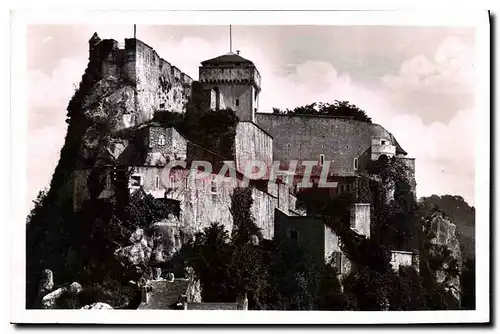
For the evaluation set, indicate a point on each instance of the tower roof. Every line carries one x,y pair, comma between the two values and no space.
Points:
95,37
229,58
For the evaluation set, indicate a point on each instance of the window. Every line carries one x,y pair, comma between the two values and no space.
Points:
237,102
108,182
157,182
383,142
321,159
135,181
293,235
213,187
161,140
356,164
217,98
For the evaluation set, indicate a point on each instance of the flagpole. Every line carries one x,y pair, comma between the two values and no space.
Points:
230,40
135,31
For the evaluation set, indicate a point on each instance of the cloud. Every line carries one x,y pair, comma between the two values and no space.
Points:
48,97
437,87
444,153
44,146
49,94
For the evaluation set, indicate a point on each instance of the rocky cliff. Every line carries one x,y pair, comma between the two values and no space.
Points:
122,88
445,254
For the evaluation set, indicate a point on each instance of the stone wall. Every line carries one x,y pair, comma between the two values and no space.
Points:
160,85
305,232
208,200
360,218
340,140
382,147
401,258
151,177
157,84
200,206
263,211
334,254
410,163
331,244
251,144
164,144
238,97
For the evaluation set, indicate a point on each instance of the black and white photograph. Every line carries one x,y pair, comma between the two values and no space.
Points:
230,167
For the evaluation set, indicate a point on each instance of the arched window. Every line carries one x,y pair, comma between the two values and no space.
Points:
161,140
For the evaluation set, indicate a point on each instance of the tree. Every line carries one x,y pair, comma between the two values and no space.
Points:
244,227
468,280
342,109
210,256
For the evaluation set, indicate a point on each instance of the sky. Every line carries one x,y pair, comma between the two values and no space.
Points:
417,82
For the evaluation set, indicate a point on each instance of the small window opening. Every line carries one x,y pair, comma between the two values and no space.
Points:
356,166
161,140
383,142
294,235
108,181
321,159
135,180
237,102
171,181
157,182
213,187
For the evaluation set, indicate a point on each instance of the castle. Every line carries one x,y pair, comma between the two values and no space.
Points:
129,84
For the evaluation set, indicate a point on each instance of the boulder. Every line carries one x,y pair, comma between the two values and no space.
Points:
153,246
97,306
50,300
47,282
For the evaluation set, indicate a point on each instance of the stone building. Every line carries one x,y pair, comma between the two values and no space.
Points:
128,85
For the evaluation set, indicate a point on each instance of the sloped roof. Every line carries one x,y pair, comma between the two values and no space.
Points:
165,295
228,58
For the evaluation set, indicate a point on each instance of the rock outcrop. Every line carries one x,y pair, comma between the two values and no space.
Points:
97,306
50,300
47,282
151,247
445,245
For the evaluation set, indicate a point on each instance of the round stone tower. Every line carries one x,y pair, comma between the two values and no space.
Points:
232,82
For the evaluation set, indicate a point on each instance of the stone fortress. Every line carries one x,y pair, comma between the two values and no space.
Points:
133,82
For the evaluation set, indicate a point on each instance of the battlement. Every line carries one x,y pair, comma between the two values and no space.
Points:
132,50
158,85
230,74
